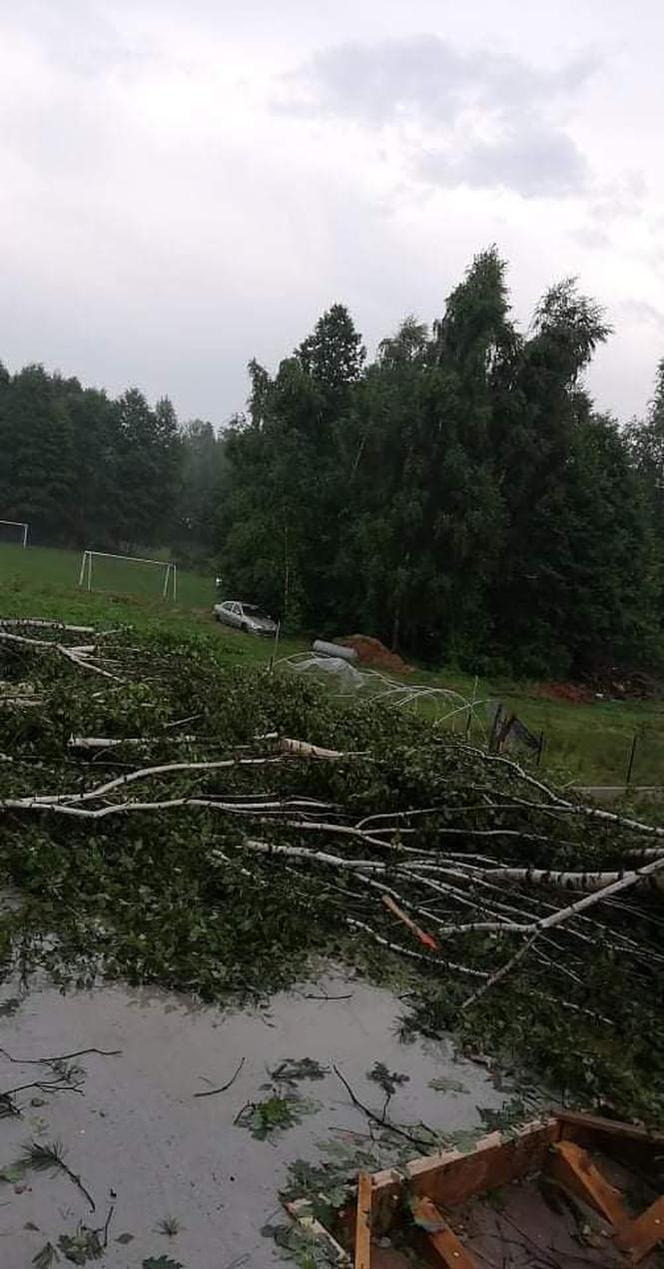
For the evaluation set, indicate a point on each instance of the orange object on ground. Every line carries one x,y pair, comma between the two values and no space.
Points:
374,653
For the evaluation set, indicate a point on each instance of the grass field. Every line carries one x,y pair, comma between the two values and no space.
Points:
43,582
585,744
45,565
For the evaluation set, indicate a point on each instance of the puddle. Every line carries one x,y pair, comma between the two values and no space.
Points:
140,1139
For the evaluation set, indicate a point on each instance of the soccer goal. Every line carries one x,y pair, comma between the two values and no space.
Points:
17,532
131,573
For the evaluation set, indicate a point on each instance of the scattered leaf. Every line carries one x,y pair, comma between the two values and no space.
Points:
443,1084
169,1226
82,1246
389,1080
293,1069
12,1173
274,1114
46,1257
161,1262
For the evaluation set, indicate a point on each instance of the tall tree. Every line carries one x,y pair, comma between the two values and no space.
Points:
541,408
147,468
278,523
37,456
95,514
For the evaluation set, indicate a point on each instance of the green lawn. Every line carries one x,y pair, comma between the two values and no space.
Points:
43,582
585,744
45,565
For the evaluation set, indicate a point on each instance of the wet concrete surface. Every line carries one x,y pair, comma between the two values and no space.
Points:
140,1139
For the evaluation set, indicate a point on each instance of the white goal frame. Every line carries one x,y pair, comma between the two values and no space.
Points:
19,524
170,570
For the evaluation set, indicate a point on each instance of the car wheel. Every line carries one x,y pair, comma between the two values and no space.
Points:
244,628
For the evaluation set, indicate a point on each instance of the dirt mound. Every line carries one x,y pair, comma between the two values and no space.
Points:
612,685
621,684
374,653
566,692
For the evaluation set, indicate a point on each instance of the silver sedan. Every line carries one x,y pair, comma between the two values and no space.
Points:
245,617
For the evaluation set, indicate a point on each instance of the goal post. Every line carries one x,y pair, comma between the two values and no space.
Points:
169,586
22,526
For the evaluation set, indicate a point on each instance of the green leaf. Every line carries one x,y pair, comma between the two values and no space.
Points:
293,1069
389,1081
274,1114
161,1262
12,1173
82,1246
443,1084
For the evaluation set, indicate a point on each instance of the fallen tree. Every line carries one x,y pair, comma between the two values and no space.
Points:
210,829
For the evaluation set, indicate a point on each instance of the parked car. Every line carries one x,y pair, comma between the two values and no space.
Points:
245,617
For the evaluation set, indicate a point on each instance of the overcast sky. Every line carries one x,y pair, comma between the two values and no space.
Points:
186,184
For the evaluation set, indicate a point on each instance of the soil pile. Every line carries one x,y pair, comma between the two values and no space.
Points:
571,692
374,653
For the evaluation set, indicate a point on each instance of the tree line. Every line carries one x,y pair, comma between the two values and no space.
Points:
86,470
460,496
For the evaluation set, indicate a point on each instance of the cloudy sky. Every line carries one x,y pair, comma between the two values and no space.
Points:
187,185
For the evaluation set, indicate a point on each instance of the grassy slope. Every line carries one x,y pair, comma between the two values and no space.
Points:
42,582
586,743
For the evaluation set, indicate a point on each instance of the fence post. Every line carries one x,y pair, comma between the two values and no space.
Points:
469,717
630,763
494,728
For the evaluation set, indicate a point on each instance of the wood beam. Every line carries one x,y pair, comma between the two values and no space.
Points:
572,1167
454,1176
640,1236
441,1240
363,1221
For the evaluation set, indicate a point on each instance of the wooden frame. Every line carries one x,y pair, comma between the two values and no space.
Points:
559,1146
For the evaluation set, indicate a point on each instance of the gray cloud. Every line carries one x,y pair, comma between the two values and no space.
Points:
422,76
425,80
537,162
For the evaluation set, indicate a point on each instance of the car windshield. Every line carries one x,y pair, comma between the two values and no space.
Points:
252,611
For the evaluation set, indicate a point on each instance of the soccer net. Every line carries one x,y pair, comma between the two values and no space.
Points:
14,532
131,574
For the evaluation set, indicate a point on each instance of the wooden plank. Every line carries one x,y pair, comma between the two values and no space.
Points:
572,1167
640,1236
575,1124
363,1221
440,1237
452,1176
628,1144
300,1210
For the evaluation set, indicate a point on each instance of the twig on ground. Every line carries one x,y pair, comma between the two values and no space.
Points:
105,1227
59,1057
379,1119
210,1092
40,1156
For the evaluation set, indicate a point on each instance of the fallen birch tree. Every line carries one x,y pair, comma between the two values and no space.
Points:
210,829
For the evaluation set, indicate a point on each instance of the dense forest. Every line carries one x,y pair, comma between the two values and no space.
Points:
460,496
85,470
